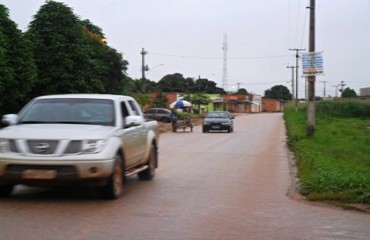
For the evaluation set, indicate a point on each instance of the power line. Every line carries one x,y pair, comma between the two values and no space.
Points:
259,83
294,31
218,58
304,27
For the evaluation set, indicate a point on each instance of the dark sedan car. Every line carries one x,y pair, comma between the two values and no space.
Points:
218,120
159,114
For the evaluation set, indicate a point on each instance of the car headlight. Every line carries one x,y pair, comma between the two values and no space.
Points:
226,123
205,123
92,146
3,145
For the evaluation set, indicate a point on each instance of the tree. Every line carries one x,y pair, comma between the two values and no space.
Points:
203,85
71,55
348,93
107,65
242,91
189,85
17,68
279,92
173,83
60,50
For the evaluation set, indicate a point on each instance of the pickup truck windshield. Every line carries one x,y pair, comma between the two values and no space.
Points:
69,111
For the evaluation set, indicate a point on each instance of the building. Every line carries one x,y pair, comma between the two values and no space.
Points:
272,105
365,92
237,103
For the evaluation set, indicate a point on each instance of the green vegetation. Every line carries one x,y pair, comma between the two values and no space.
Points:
279,92
334,164
59,53
18,72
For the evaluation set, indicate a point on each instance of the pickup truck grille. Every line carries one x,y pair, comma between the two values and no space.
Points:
42,146
73,147
45,147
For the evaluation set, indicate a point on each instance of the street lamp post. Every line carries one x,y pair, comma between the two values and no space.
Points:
212,74
143,69
150,69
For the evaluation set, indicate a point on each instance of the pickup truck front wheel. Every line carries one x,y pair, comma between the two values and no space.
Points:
6,190
114,187
149,173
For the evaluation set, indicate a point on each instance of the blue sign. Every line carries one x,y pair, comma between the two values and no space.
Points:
312,64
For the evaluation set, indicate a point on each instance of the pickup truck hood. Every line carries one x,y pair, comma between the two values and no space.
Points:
56,131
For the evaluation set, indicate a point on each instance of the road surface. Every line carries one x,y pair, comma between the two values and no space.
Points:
208,186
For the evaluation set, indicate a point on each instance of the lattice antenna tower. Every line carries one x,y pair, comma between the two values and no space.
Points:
224,75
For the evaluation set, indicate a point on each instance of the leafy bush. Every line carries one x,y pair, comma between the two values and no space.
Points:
334,163
348,109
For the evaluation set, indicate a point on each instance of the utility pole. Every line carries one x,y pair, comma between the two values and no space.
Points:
292,67
305,89
224,74
296,74
143,69
199,83
238,85
311,79
336,90
342,84
324,82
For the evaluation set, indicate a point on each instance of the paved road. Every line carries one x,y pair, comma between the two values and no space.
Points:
209,186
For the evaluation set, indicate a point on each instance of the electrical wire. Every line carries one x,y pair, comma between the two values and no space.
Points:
304,27
218,58
260,83
297,14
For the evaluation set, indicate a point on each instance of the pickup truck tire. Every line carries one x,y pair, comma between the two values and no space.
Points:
149,173
6,190
114,188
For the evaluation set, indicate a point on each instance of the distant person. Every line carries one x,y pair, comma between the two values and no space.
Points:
173,116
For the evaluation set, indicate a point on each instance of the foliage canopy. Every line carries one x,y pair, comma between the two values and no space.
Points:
349,93
17,68
71,55
278,92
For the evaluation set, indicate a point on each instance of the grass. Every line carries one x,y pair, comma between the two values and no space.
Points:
334,163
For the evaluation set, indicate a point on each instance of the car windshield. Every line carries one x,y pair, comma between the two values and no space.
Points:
67,110
217,115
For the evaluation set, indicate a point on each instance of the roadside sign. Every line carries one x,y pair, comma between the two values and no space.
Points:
312,64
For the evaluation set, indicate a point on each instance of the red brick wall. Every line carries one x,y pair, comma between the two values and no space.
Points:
272,105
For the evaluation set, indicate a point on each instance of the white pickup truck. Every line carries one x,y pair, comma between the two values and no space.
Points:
88,139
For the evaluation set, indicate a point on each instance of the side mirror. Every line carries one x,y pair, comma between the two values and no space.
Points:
131,121
9,119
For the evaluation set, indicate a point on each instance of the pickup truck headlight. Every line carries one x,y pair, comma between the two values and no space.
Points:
92,146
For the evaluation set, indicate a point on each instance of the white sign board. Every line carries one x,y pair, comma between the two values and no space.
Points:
312,64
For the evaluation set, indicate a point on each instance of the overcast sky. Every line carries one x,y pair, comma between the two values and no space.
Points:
186,36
